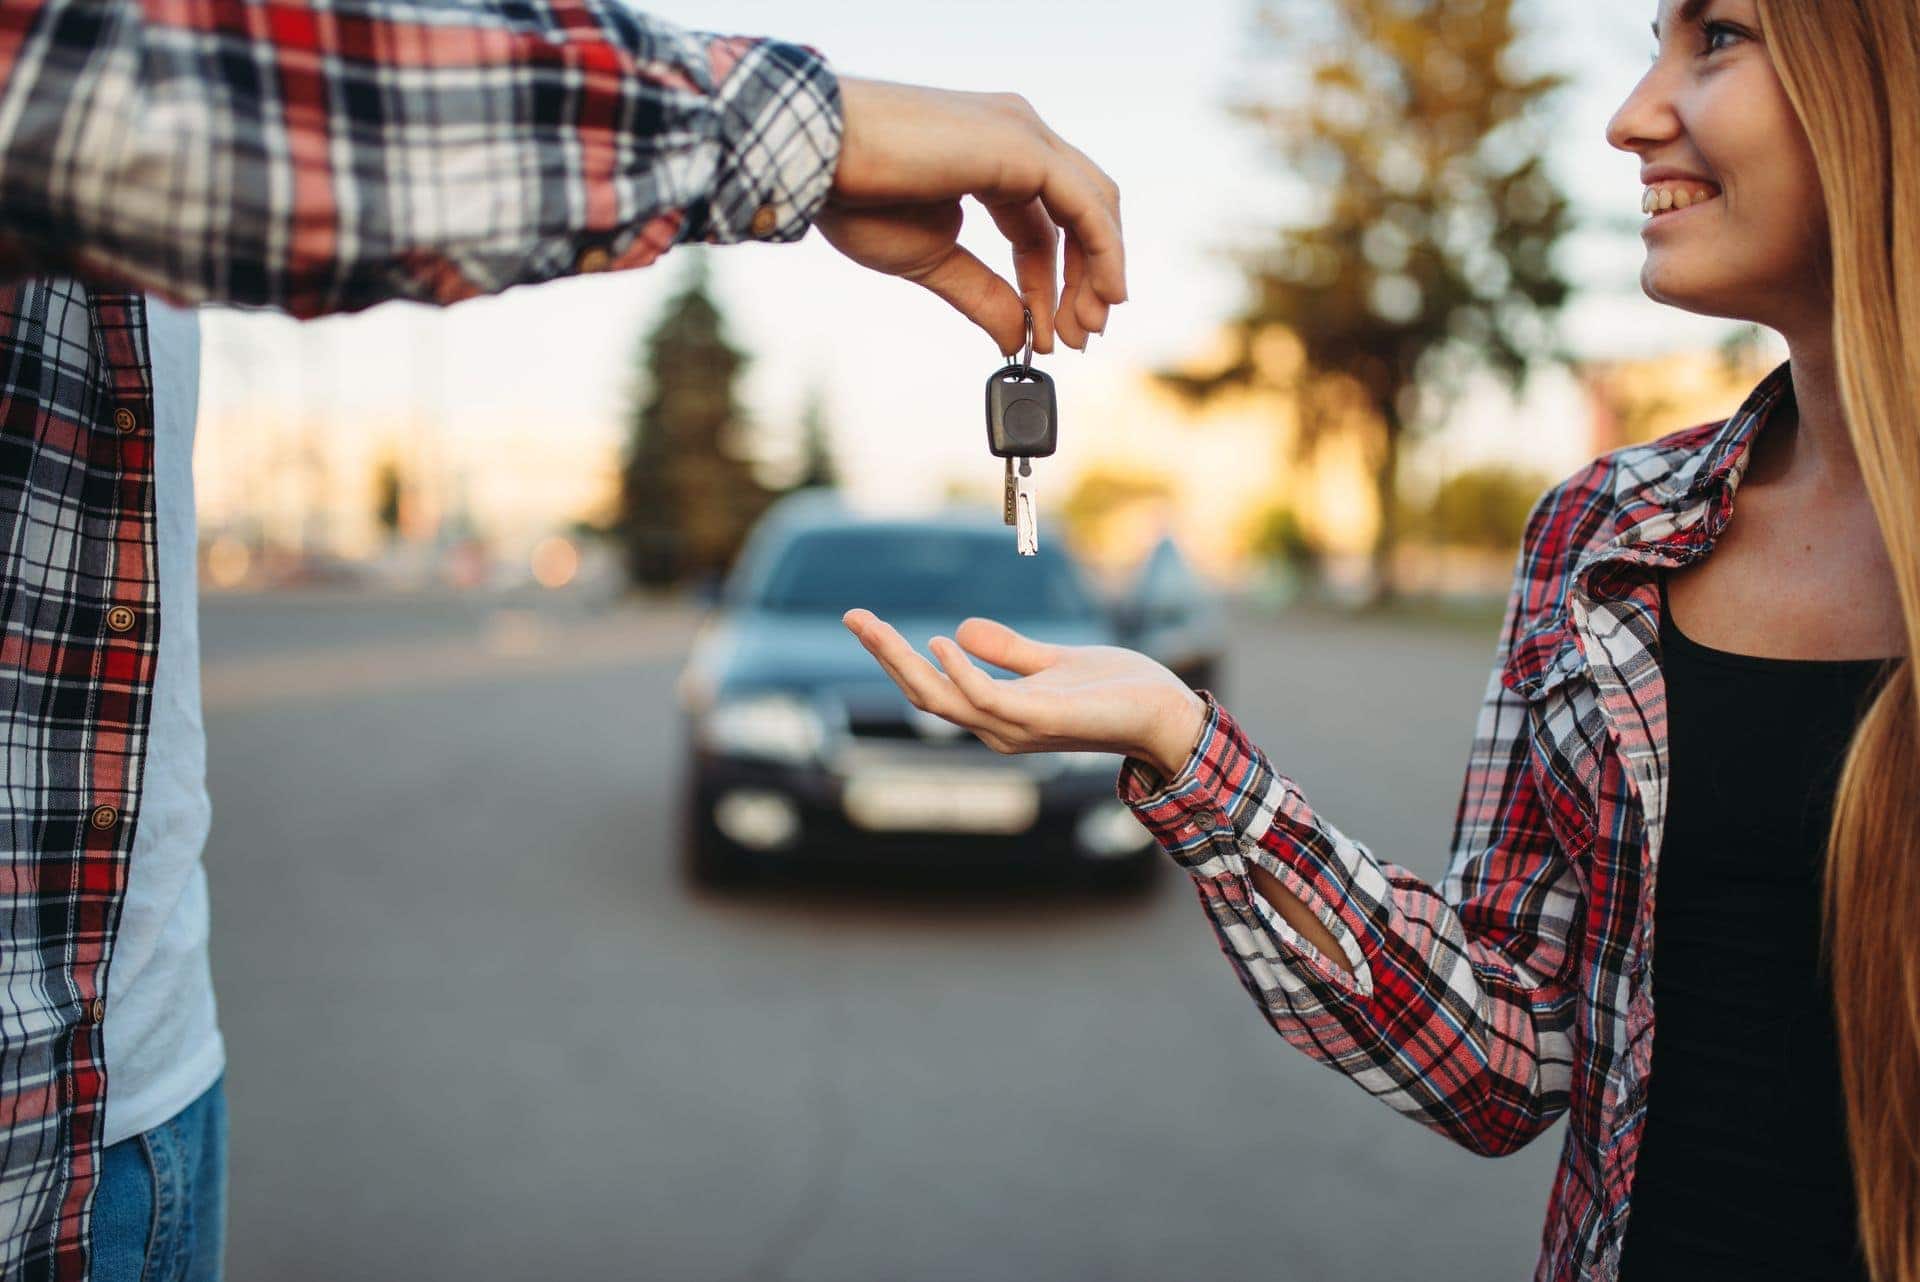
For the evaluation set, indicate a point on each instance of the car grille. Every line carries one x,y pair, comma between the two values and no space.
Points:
880,725
880,714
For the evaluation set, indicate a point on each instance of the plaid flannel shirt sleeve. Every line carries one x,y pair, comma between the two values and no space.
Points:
323,157
1459,1008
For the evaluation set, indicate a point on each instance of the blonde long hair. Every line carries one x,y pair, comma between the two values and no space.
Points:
1852,71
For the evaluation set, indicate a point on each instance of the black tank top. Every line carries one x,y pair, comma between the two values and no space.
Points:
1743,1169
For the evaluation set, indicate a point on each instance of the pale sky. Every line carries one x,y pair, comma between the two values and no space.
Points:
531,388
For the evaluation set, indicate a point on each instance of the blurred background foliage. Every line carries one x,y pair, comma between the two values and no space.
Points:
1483,508
1427,253
694,481
1359,285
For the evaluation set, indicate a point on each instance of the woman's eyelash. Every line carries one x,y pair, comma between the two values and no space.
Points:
1712,31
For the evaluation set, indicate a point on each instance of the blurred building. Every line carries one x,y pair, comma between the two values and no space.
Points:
297,491
1642,399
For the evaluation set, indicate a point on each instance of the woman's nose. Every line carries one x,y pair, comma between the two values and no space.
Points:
1647,118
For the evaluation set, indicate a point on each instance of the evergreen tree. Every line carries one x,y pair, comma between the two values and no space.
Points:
1428,248
688,497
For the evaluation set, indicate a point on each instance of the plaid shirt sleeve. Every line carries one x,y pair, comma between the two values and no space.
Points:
1459,1010
323,157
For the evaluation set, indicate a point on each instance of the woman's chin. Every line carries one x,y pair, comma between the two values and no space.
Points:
1668,283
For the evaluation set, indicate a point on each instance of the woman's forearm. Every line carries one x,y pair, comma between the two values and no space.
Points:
1298,916
1179,733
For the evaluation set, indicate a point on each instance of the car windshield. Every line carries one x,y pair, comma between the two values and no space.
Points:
905,571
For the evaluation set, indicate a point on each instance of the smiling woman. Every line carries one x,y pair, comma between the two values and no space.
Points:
1729,699
1724,160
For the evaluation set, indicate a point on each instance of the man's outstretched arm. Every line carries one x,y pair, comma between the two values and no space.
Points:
325,157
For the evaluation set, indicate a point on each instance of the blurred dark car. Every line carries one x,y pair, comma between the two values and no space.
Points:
1171,614
800,747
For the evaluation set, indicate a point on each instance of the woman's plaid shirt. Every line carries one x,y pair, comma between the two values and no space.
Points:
1517,989
316,156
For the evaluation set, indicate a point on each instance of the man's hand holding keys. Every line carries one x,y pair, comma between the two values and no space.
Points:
910,154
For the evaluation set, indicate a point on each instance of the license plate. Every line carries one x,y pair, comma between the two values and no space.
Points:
951,801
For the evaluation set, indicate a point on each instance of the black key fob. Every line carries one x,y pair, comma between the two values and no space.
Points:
1023,419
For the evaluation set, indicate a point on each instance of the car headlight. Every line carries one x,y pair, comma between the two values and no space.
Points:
777,727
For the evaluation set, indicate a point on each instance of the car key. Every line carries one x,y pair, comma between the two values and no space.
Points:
1022,425
1026,531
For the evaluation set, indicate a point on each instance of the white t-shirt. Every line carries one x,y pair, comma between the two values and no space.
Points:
162,1038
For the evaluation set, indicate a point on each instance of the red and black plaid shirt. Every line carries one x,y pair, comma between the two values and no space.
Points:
317,157
1516,990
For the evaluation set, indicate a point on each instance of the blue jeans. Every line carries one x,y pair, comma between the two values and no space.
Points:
160,1209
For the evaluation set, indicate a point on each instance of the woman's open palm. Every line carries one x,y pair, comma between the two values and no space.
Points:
1065,698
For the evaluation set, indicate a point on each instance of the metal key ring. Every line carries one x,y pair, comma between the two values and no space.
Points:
1026,354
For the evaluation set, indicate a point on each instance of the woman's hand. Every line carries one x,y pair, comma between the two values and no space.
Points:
908,157
1068,698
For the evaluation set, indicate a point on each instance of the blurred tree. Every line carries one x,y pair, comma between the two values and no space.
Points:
817,468
1482,507
1427,248
1279,535
687,496
1104,493
388,488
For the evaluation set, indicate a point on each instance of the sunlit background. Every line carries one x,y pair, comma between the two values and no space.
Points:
502,422
521,969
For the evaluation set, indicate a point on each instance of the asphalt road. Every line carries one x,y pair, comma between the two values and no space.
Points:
479,1030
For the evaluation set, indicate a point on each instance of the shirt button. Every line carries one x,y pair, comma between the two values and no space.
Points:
125,420
594,258
120,618
764,219
104,817
97,1010
1205,821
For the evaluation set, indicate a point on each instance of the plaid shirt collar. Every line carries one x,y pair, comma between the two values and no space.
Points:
1664,516
1724,459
